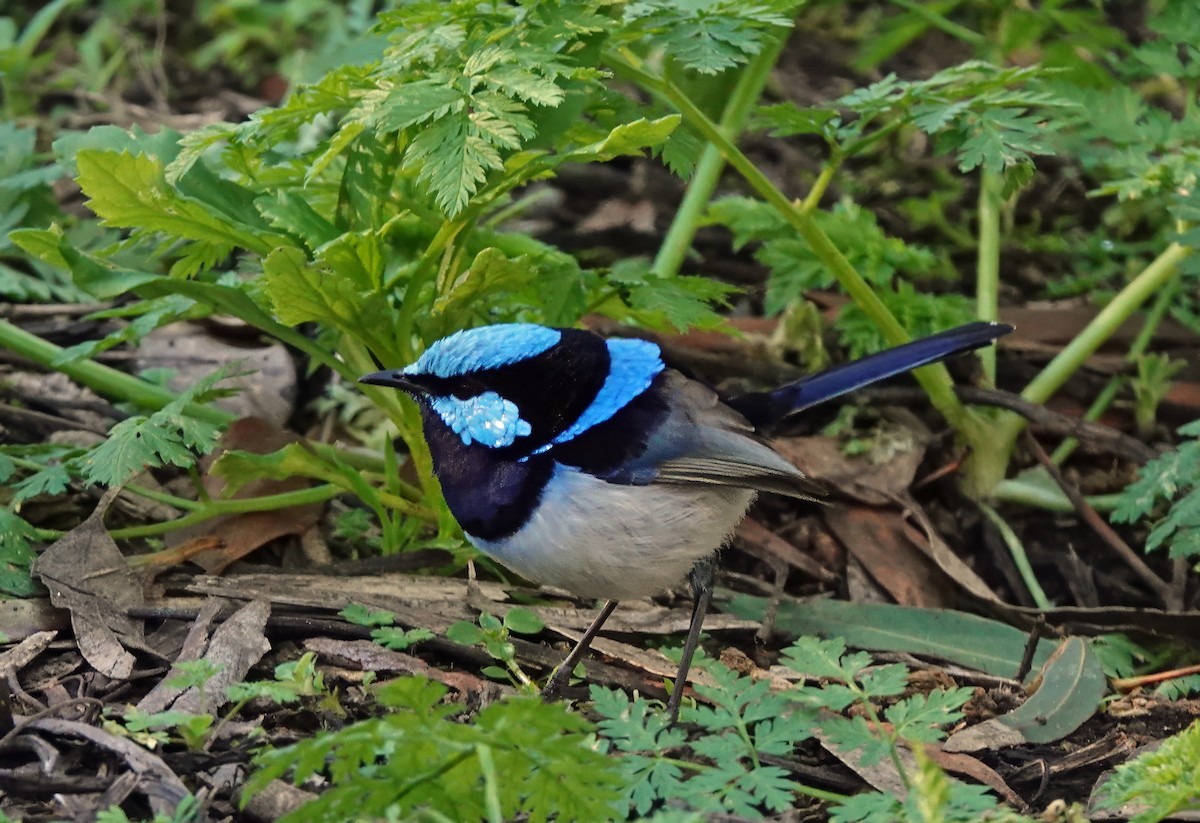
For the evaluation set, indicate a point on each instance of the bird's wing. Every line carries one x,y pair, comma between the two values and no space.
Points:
722,471
705,441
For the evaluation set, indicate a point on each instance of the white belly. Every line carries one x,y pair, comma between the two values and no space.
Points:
598,539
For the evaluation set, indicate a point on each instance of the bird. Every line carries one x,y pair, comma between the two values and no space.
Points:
586,463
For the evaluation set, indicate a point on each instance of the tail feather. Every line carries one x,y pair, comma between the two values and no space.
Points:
761,408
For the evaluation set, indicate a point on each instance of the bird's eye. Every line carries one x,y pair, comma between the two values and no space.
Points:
465,387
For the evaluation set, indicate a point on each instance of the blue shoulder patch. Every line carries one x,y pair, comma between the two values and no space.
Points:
487,419
488,347
633,366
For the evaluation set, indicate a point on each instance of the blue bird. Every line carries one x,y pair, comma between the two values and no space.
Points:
585,463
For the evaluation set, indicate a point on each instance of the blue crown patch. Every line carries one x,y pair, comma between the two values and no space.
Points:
488,347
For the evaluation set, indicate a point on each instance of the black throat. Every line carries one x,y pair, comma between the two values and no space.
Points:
490,495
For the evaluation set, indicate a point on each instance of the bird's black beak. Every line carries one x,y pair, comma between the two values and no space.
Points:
393,379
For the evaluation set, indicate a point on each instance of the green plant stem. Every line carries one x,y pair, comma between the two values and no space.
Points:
819,794
893,751
746,92
1153,278
1023,493
422,272
942,23
1020,558
110,383
1103,400
434,774
407,417
935,379
1142,342
987,268
164,498
821,184
240,505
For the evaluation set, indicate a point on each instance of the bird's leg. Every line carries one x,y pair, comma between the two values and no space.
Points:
701,577
562,675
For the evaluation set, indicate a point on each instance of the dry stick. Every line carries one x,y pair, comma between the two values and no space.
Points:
1128,684
57,708
1098,437
1035,634
1166,593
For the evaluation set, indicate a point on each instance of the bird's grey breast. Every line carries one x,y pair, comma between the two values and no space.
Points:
600,539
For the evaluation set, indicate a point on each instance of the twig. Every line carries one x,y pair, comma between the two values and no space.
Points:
1165,592
1095,437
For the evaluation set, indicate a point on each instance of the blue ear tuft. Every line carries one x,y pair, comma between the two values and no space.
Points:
489,347
487,419
633,365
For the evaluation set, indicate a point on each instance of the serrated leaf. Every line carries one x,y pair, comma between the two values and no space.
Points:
921,717
16,555
679,301
452,158
790,120
132,192
491,273
302,292
169,436
1159,783
362,615
52,480
95,276
414,103
628,138
292,213
712,35
681,151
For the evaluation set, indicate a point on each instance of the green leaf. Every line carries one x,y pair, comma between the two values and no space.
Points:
414,103
491,274
292,213
97,277
400,639
301,292
790,120
148,315
132,192
453,156
52,479
1072,685
940,633
365,616
523,621
464,633
237,468
677,301
921,717
16,555
1159,783
709,36
417,759
1173,479
628,138
169,436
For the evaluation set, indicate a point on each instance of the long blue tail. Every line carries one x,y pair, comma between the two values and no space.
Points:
761,408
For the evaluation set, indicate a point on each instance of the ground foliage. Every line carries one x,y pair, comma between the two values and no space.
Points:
395,194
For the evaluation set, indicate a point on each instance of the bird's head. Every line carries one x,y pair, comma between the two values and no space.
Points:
520,386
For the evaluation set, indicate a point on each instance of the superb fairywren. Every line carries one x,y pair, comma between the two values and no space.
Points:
587,464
